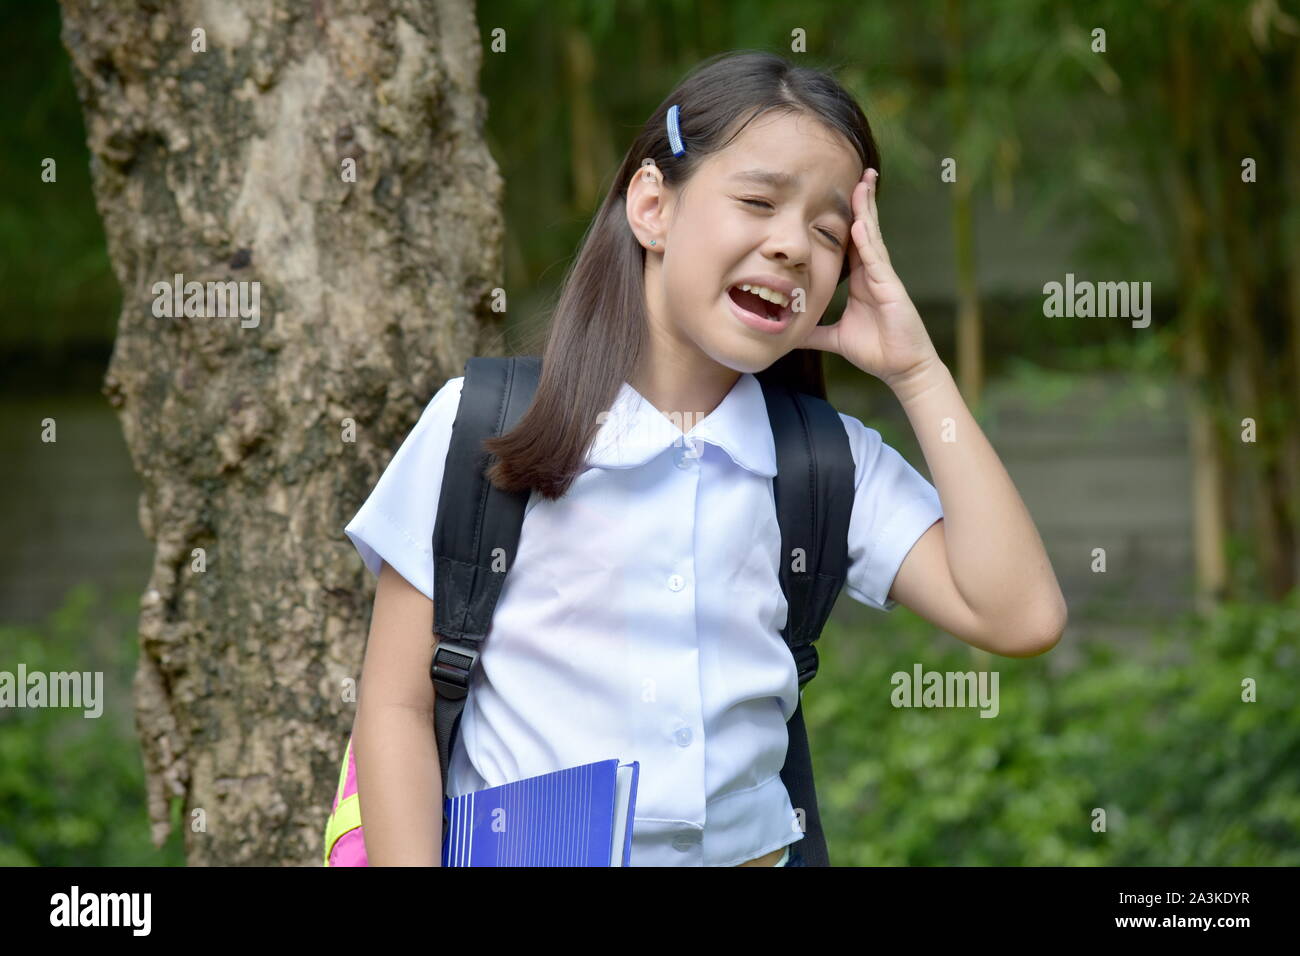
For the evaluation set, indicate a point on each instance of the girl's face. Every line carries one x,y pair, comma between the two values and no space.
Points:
773,208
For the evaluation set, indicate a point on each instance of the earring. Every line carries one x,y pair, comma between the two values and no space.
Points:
652,242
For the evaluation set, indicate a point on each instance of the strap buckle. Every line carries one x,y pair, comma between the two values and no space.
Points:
450,670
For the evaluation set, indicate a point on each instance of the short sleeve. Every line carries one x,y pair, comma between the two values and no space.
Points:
395,524
893,505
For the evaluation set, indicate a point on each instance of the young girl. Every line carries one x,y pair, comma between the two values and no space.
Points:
642,616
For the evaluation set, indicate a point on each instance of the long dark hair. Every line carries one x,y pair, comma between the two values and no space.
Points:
599,324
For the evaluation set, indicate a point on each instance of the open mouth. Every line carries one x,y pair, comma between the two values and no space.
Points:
757,305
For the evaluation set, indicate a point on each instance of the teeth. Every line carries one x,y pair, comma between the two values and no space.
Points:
763,292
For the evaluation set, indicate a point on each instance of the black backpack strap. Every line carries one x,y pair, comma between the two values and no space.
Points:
814,491
477,525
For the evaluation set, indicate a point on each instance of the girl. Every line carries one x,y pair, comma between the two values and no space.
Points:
642,616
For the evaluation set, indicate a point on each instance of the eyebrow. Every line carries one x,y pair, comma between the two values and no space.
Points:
779,180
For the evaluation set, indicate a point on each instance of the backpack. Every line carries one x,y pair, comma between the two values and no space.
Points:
813,490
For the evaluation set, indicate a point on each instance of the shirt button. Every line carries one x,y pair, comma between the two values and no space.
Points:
676,582
684,736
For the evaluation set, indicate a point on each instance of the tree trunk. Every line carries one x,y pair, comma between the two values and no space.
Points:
1253,279
1290,239
589,155
970,330
1210,514
222,155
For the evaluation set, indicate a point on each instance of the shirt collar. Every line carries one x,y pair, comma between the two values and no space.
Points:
634,431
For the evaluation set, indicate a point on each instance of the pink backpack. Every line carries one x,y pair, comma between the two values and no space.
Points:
344,844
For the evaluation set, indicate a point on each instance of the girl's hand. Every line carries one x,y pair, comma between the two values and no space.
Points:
880,331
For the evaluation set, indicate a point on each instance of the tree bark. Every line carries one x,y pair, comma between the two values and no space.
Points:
228,164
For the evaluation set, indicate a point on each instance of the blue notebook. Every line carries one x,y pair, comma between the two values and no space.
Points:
581,816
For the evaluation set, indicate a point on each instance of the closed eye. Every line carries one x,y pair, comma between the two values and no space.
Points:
767,205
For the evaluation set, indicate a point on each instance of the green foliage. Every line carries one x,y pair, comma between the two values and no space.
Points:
56,282
1156,734
72,787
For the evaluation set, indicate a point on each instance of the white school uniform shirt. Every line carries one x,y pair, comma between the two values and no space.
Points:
642,617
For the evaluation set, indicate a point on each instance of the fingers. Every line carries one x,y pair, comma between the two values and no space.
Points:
860,198
873,219
869,251
868,242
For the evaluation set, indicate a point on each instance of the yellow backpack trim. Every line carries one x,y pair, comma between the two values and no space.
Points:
343,820
347,816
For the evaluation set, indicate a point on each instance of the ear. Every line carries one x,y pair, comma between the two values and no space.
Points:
645,206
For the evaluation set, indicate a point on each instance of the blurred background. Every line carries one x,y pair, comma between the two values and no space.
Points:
1163,149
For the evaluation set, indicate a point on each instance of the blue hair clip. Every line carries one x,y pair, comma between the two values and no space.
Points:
675,130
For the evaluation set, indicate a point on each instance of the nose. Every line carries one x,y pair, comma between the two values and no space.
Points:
789,242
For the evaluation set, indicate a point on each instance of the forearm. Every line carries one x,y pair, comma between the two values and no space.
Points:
399,783
995,554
